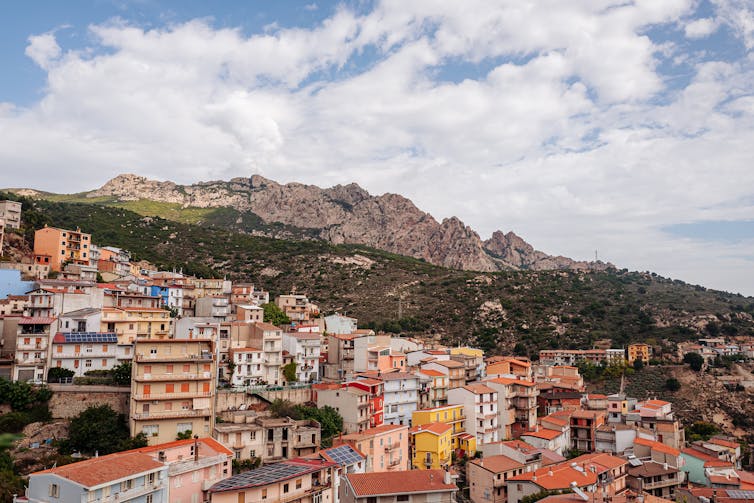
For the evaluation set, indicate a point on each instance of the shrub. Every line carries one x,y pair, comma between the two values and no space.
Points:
672,384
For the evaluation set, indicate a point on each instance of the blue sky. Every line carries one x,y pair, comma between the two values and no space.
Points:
626,127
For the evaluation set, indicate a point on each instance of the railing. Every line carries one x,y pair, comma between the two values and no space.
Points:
30,361
130,494
169,357
167,414
174,377
170,396
176,467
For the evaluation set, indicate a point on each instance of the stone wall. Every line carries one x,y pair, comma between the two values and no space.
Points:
68,400
230,400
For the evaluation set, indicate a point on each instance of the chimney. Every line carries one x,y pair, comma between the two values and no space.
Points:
446,478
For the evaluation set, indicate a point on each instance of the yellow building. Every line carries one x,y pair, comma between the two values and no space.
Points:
431,446
636,351
448,414
173,388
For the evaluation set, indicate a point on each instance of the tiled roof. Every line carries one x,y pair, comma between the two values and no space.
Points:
96,471
498,464
478,388
724,443
657,446
717,463
695,453
508,380
543,433
451,364
377,430
265,326
399,482
435,428
36,320
650,469
205,441
558,477
432,373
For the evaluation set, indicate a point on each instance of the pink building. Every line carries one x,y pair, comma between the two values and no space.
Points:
386,447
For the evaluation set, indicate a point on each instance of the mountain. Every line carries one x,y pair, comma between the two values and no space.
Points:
345,214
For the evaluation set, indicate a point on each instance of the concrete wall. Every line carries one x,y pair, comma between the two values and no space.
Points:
232,400
68,400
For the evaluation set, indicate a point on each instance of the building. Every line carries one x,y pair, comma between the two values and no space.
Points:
454,416
304,347
638,351
517,405
385,447
297,307
415,486
339,324
507,366
10,214
431,446
473,362
300,480
480,407
401,395
173,388
33,339
455,371
269,339
433,388
375,391
488,477
657,479
352,404
81,352
54,247
267,438
546,438
584,424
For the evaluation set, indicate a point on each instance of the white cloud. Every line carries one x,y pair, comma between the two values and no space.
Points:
571,136
700,28
43,49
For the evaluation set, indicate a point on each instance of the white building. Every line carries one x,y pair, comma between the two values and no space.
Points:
480,408
305,349
400,397
339,324
247,366
81,352
269,339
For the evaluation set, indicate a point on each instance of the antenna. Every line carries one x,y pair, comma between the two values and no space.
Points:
595,256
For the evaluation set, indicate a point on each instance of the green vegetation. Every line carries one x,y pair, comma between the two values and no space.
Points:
273,314
57,374
289,372
244,465
541,309
701,430
99,429
184,435
328,418
672,384
695,361
122,374
29,404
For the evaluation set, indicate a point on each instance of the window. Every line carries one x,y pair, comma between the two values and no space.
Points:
151,430
87,363
104,363
185,427
54,490
264,494
126,485
372,499
170,388
184,387
149,498
285,488
104,348
27,340
401,497
150,478
298,483
252,436
169,369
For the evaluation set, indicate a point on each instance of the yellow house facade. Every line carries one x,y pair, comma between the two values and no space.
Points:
431,446
451,415
636,351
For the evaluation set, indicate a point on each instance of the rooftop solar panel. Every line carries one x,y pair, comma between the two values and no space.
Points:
344,455
267,474
91,337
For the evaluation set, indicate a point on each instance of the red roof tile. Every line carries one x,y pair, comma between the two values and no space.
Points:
399,482
95,471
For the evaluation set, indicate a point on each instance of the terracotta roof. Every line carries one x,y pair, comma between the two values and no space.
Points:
717,463
695,453
587,414
208,441
377,430
478,388
435,428
508,380
265,326
724,443
657,446
96,471
399,482
723,480
35,320
651,469
543,433
498,464
432,372
554,420
451,364
558,477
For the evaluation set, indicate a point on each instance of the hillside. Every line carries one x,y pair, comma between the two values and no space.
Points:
501,311
341,214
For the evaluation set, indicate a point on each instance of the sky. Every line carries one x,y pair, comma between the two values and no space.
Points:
621,127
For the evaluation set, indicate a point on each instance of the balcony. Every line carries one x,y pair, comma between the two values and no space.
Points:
30,361
203,376
172,396
392,447
33,346
205,357
395,462
178,467
170,414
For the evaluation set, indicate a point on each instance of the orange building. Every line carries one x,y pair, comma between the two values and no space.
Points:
54,247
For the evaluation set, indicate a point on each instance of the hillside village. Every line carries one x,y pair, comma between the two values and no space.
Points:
218,372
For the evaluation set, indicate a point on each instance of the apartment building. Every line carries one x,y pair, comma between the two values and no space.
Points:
657,479
507,366
375,389
473,362
415,486
10,214
218,308
171,296
269,339
173,388
584,424
455,371
339,324
81,352
297,307
638,351
247,367
246,293
304,348
454,416
54,247
488,477
352,403
517,405
480,403
433,388
267,438
296,480
33,338
431,446
385,447
401,395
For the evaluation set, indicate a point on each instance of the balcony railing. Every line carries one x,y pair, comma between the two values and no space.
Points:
177,467
169,357
174,377
172,396
169,414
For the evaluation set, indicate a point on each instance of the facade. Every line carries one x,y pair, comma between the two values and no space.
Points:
657,479
173,388
584,424
415,486
455,371
375,391
297,307
400,397
352,404
433,388
517,405
636,351
81,352
431,446
300,480
269,439
385,447
473,362
480,404
488,477
339,324
304,348
452,415
247,366
269,339
53,247
10,214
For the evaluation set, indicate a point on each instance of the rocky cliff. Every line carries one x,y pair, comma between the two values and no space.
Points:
349,214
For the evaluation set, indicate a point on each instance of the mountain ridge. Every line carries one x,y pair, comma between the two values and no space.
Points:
348,214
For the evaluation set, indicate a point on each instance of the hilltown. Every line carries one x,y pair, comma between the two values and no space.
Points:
420,421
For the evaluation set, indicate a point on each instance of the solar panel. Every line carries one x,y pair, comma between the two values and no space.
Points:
267,474
91,337
344,455
740,494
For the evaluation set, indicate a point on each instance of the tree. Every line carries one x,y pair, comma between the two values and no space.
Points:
98,429
122,374
184,435
638,364
289,372
695,360
701,430
672,384
273,314
56,374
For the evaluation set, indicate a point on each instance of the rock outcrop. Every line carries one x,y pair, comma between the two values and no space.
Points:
349,214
